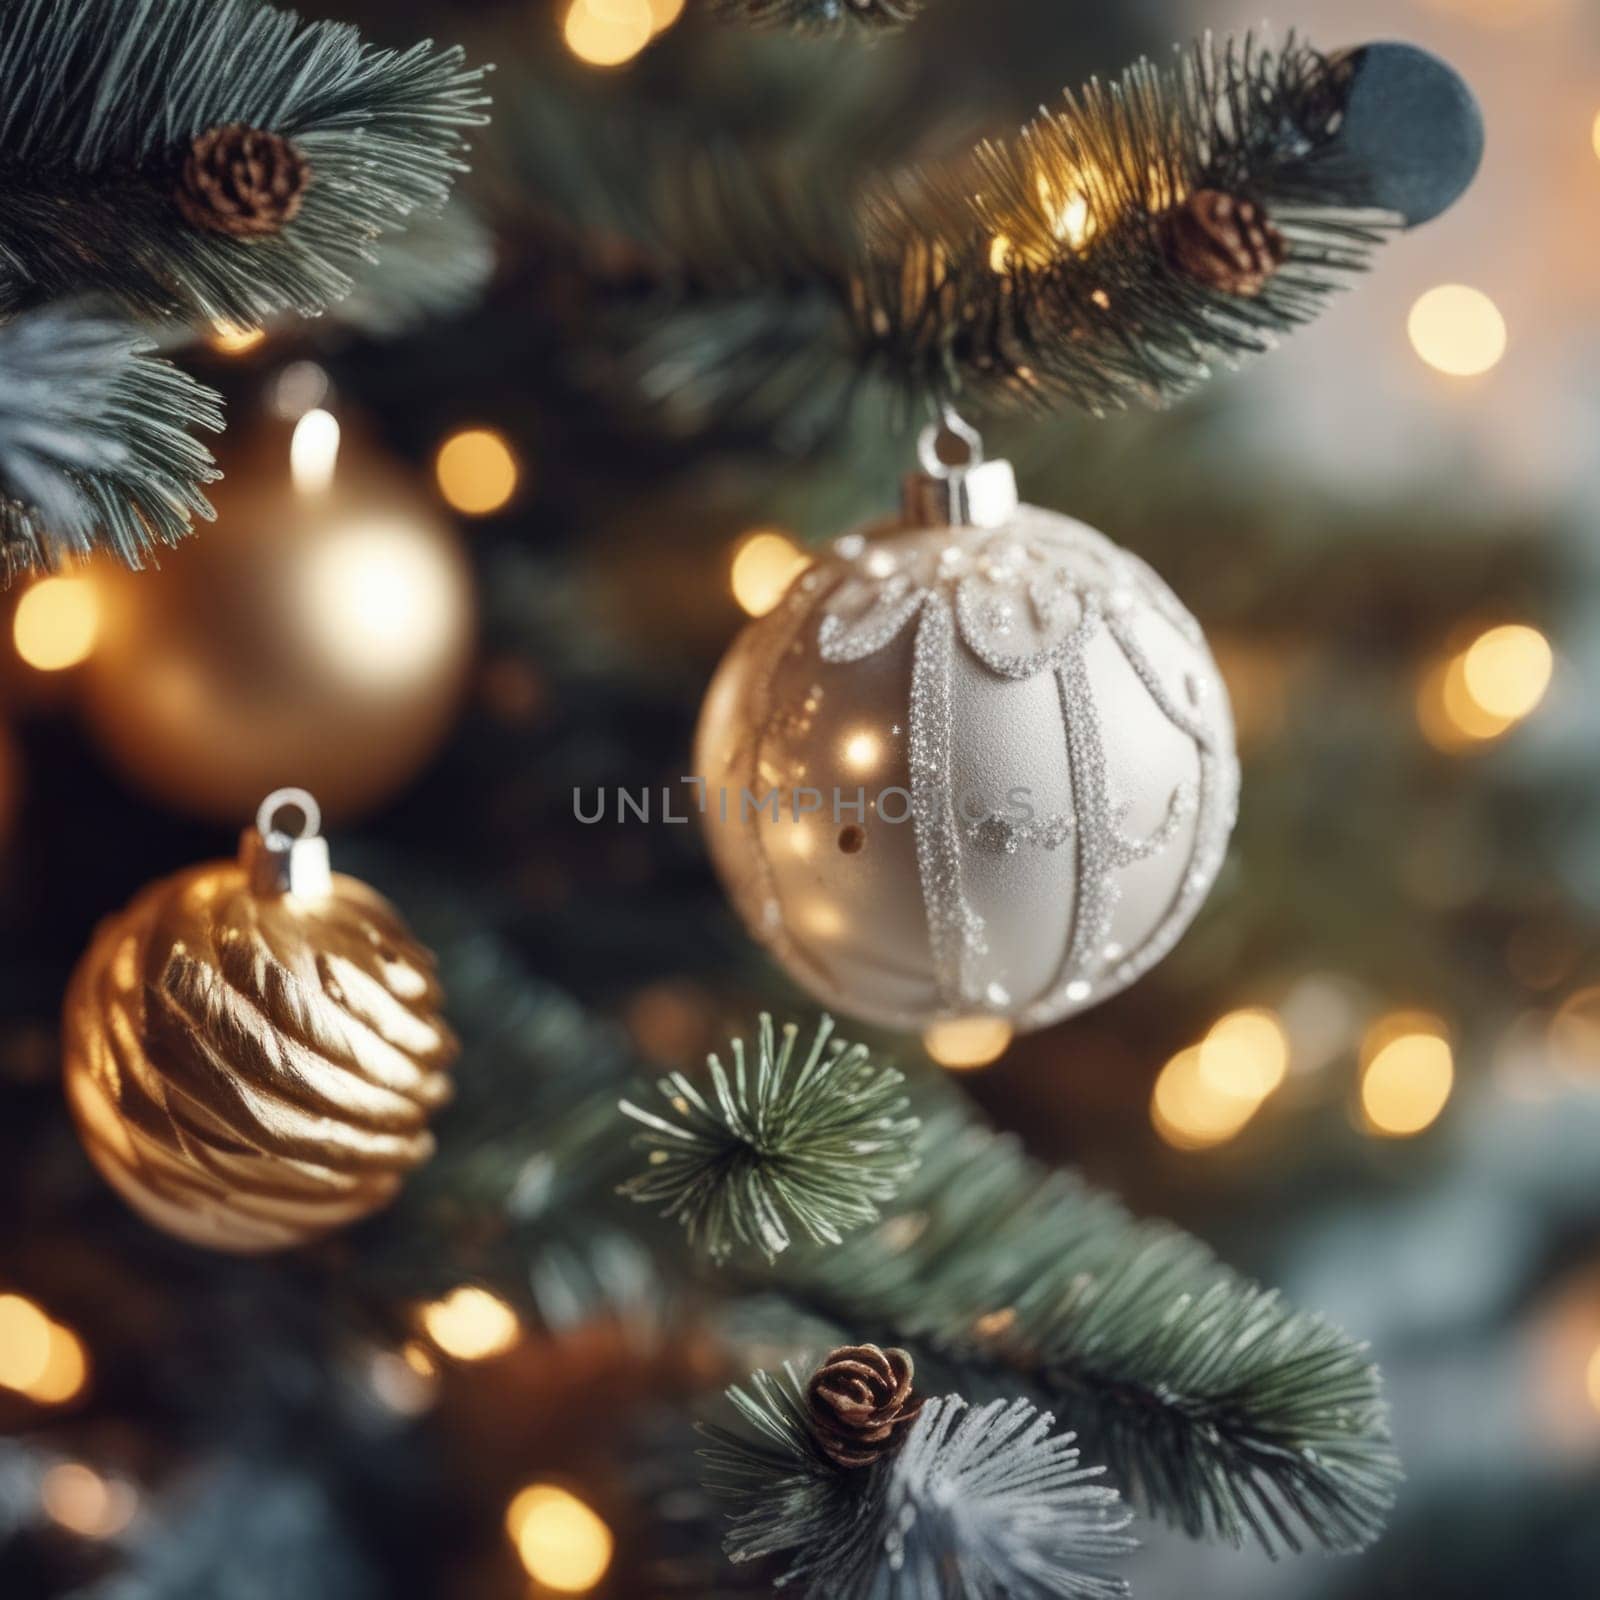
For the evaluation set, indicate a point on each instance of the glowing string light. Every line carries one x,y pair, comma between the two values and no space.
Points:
471,1324
962,1043
57,623
563,1544
314,452
1457,330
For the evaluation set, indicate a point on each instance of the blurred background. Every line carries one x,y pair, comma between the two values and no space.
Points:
459,573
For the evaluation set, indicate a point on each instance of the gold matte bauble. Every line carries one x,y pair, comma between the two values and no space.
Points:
252,1048
320,638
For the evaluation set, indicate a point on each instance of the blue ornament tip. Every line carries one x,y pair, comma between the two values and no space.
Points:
1412,127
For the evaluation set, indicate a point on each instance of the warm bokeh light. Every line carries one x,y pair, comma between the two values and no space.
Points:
607,33
1574,1036
379,601
77,1498
663,13
1592,1379
1189,1112
39,1358
563,1544
66,1370
471,1324
1507,670
961,1043
1457,330
1246,1054
300,387
861,750
1481,692
1408,1072
764,566
1594,133
230,341
56,623
402,1385
476,470
314,452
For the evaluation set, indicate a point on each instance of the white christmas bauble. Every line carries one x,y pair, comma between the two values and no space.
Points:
964,770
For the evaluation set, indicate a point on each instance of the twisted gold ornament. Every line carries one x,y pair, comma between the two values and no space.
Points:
253,1049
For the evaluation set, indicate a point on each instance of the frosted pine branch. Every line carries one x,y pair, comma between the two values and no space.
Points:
815,1143
95,443
100,100
982,1501
1211,1403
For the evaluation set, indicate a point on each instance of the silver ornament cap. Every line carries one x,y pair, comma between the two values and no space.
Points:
967,493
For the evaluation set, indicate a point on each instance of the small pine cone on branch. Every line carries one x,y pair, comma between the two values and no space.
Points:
1222,241
242,182
860,1403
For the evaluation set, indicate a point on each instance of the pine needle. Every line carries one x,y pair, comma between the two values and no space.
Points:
95,448
99,100
982,1501
814,1143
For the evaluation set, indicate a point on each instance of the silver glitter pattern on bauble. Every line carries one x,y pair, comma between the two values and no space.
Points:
955,930
1023,599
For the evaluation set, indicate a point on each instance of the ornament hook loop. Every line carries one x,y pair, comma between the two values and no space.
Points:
953,423
278,860
972,493
281,800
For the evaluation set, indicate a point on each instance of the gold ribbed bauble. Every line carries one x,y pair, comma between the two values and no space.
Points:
252,1049
319,637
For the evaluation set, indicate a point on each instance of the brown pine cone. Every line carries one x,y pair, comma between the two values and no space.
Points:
860,1402
1223,241
239,181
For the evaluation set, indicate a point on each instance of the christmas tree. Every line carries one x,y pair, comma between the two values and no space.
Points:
526,1223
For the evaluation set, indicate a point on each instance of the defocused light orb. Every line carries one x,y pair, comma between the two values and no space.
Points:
663,13
56,623
66,1370
764,566
606,33
314,452
24,1343
1457,330
477,471
1507,670
1246,1054
302,386
1189,1112
471,1324
861,751
1575,1035
563,1544
1408,1074
1450,718
1592,1379
380,602
77,1498
961,1043
39,1358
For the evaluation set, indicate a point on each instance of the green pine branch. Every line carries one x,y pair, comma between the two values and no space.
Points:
822,16
1213,1405
814,1143
101,99
1035,272
1030,273
982,1501
95,442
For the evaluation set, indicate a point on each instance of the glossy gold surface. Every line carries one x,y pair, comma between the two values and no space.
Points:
252,1071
